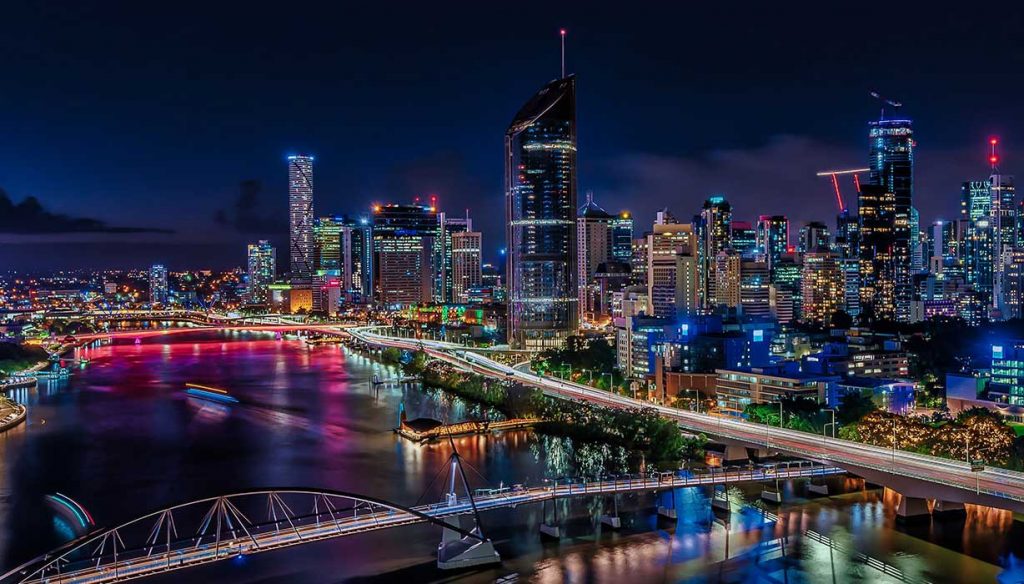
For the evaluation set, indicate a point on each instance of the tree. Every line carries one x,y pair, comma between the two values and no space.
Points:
853,406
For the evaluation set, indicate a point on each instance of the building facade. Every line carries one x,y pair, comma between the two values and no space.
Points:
300,220
541,204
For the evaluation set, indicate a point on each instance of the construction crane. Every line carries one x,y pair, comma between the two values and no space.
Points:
835,182
895,104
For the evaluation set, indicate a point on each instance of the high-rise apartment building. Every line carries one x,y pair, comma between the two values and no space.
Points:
300,220
755,297
714,234
814,236
541,204
466,264
824,286
671,268
262,270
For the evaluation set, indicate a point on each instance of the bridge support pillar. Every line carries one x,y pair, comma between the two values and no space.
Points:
912,509
772,495
948,509
735,453
612,520
552,529
458,551
668,511
720,500
813,489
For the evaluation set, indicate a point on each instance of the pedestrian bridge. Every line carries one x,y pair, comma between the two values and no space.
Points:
217,528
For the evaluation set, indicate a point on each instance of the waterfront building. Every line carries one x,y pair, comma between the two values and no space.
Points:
262,271
404,257
738,387
158,291
540,194
300,219
444,254
594,239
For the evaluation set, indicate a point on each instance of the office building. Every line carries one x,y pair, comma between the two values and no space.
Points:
823,286
891,160
404,257
541,204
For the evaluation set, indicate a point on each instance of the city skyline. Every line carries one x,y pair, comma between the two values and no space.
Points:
763,152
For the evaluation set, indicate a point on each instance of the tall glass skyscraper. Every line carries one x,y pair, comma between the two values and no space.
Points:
891,160
540,199
300,220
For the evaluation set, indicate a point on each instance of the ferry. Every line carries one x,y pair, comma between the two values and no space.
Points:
210,393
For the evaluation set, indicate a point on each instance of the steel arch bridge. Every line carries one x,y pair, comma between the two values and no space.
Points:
216,528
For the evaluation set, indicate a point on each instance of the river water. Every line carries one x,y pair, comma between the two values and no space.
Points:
121,438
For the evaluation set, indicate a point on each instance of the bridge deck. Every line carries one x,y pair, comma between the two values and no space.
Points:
330,524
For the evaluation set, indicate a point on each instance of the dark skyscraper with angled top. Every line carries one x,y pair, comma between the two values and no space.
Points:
540,199
891,160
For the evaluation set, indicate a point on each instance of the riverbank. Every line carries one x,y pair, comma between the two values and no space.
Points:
641,439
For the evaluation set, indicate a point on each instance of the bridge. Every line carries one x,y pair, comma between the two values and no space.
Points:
919,478
217,528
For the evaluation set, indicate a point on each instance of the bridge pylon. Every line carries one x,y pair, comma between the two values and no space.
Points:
457,550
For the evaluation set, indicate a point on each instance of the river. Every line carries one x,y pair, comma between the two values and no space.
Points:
121,438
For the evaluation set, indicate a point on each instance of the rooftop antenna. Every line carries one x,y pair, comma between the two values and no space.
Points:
561,33
993,158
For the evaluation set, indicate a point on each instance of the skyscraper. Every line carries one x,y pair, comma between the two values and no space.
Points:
404,256
300,220
158,293
891,160
714,234
540,198
975,200
823,286
671,268
876,208
444,249
466,264
772,238
355,260
1004,234
262,264
622,237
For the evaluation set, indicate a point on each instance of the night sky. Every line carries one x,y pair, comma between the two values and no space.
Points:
133,124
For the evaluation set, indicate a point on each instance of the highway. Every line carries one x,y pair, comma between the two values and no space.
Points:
155,556
1002,484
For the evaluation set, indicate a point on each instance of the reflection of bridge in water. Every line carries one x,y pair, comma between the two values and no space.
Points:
217,528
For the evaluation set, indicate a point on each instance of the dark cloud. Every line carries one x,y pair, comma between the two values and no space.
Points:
778,177
248,215
30,217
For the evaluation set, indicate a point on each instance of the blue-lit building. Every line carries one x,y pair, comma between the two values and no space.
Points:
744,238
540,197
1007,385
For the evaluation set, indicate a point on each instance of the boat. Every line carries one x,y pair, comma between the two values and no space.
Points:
211,393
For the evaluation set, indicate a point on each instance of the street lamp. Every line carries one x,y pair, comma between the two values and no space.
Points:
696,399
832,423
